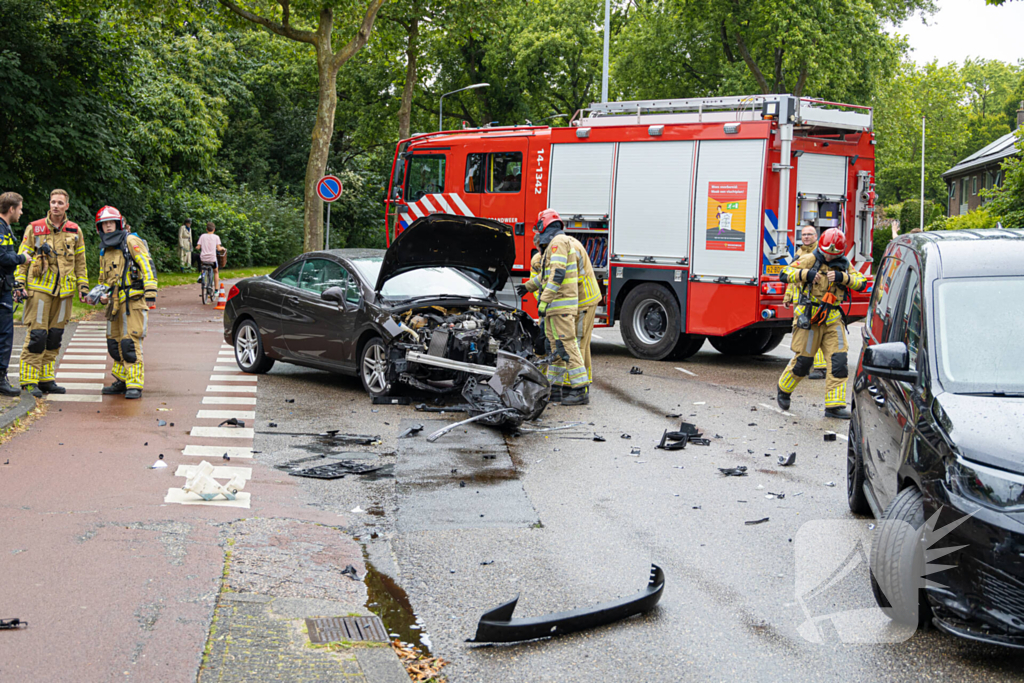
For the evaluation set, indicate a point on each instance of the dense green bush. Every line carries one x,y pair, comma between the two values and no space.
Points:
910,214
979,219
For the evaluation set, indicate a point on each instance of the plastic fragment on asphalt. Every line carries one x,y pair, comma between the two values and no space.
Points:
357,510
738,471
350,572
830,436
786,460
498,626
12,623
674,415
289,400
635,371
830,484
634,451
757,521
232,422
411,431
272,424
699,403
161,423
626,436
392,400
780,496
598,437
484,564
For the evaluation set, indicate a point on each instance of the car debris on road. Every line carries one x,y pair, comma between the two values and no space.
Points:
498,626
738,471
786,460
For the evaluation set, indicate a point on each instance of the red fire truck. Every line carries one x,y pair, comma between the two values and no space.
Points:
687,207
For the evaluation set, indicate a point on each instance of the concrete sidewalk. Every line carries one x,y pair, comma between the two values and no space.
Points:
116,582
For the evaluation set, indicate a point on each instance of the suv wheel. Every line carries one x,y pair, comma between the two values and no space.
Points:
855,496
374,368
897,561
249,349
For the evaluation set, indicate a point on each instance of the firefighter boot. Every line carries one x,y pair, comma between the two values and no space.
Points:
576,397
34,390
838,413
817,373
783,399
51,387
5,387
556,395
118,387
133,393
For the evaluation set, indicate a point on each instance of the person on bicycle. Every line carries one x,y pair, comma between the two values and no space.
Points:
209,246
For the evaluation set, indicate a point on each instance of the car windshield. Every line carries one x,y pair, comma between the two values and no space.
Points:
971,361
422,282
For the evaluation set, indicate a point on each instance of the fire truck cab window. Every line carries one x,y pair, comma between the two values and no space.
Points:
426,176
474,173
504,172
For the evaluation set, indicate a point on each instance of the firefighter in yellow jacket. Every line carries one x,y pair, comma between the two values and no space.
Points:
558,304
54,273
125,267
823,277
809,242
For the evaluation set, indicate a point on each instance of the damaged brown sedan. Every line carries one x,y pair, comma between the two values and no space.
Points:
423,315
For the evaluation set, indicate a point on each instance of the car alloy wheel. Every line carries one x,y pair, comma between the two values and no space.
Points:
249,349
374,368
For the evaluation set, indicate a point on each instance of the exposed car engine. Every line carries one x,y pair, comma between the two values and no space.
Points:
486,354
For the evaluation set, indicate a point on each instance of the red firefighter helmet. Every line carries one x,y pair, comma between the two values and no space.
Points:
547,217
833,242
109,213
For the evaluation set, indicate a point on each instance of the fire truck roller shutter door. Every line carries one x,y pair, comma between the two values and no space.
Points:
727,211
580,181
652,200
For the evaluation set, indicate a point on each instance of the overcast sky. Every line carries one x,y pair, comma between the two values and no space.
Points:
967,28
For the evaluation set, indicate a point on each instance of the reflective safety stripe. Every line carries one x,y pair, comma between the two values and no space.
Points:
809,347
837,397
145,323
60,312
47,373
788,381
39,311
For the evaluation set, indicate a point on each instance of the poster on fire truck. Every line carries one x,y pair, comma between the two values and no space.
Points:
727,216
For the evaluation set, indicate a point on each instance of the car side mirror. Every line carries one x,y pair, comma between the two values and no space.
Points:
334,295
890,360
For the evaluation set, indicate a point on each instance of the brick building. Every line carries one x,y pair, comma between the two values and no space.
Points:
979,171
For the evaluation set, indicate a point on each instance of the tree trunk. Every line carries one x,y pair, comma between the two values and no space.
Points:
323,131
411,54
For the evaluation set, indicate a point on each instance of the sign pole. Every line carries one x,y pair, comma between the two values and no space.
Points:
327,238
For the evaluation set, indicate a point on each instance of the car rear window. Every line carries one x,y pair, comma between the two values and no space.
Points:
969,360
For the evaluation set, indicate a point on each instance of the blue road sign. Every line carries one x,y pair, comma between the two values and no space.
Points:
329,188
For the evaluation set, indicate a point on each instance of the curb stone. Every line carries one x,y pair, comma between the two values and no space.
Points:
27,403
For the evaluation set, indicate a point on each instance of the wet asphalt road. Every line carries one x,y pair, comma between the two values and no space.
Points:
566,522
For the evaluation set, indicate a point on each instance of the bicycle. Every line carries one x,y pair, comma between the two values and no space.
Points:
206,292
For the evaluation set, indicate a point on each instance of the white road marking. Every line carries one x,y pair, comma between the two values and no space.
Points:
232,378
82,366
77,386
693,374
68,356
229,389
226,346
177,495
80,375
218,451
223,432
225,414
843,437
225,472
229,400
777,409
80,398
227,368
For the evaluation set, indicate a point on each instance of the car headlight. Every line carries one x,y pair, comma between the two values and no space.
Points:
988,486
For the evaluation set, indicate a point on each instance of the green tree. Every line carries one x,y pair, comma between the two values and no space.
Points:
933,92
1008,199
315,26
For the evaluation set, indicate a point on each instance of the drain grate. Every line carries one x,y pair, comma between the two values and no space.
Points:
332,629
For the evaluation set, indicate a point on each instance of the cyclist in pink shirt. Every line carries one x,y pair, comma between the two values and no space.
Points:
209,246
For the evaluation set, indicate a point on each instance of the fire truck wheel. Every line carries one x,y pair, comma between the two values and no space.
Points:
650,322
776,339
687,345
743,343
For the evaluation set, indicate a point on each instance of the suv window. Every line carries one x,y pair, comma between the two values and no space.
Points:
908,324
504,172
426,176
290,275
474,173
884,298
321,274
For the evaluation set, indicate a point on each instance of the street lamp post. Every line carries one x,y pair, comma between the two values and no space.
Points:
440,107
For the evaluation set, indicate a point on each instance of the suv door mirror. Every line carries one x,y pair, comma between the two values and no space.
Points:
335,295
890,360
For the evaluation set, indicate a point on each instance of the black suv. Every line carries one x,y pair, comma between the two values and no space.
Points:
938,432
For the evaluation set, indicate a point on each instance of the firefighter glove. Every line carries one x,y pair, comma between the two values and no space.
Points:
520,290
542,308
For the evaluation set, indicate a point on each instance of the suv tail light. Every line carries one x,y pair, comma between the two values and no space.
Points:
233,292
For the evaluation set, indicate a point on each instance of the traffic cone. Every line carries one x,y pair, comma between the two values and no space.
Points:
222,299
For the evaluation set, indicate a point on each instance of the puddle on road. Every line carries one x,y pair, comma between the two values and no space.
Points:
390,602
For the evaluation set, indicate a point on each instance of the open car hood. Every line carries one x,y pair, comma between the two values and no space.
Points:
478,245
